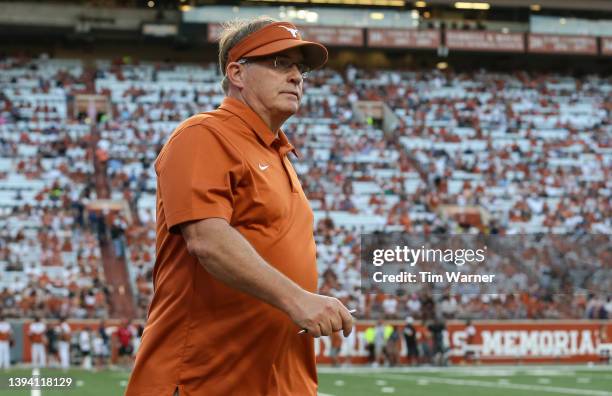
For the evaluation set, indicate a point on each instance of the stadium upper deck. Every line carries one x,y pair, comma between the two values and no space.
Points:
532,151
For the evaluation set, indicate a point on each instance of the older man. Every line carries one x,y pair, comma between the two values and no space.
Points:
235,275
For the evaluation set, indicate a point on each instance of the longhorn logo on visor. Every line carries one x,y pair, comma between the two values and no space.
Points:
294,32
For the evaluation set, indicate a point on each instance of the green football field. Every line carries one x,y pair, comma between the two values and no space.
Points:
453,381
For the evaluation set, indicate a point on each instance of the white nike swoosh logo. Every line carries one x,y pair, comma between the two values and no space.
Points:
263,167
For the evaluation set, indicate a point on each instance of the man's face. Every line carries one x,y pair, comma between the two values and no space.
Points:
274,91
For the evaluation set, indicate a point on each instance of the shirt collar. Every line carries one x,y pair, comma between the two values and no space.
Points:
286,145
246,114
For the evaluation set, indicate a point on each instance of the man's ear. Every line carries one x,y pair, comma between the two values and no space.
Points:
235,74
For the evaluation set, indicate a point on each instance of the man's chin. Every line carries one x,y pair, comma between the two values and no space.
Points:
290,109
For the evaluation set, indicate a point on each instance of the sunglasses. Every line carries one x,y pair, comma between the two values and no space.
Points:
280,63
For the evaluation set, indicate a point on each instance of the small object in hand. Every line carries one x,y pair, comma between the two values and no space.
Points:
306,331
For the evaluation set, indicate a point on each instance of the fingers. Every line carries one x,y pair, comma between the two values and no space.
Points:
315,332
347,321
325,316
341,320
337,322
324,329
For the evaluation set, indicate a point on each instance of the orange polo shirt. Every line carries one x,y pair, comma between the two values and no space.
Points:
203,336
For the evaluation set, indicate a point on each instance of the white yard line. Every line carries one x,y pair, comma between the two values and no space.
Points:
35,391
485,384
503,370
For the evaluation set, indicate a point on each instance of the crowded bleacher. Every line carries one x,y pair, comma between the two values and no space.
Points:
49,256
532,152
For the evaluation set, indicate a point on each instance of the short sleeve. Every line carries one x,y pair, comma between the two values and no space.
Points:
196,173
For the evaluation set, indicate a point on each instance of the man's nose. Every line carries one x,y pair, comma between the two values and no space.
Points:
295,76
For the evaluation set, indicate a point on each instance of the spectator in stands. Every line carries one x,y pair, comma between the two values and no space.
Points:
389,306
596,307
117,232
428,307
543,168
448,307
413,305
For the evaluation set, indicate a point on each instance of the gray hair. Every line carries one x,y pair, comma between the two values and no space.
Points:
233,32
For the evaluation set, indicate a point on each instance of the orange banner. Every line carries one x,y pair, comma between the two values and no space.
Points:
403,38
485,41
328,35
556,44
333,36
606,45
497,342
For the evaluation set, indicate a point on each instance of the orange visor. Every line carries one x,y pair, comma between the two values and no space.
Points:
277,37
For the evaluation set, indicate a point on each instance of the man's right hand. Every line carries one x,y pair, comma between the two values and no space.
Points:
321,315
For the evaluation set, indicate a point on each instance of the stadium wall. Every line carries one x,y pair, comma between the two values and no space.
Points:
564,342
575,341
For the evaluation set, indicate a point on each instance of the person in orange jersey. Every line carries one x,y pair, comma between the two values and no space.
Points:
235,276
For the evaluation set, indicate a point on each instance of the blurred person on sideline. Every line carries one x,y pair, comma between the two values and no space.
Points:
437,328
138,330
85,348
64,334
335,347
6,339
106,341
425,346
410,338
470,340
379,344
98,350
38,340
370,337
393,346
51,337
125,335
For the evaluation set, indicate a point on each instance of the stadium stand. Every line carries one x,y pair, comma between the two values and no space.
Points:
49,255
531,152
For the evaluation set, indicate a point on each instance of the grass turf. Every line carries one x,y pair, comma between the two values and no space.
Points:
453,381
